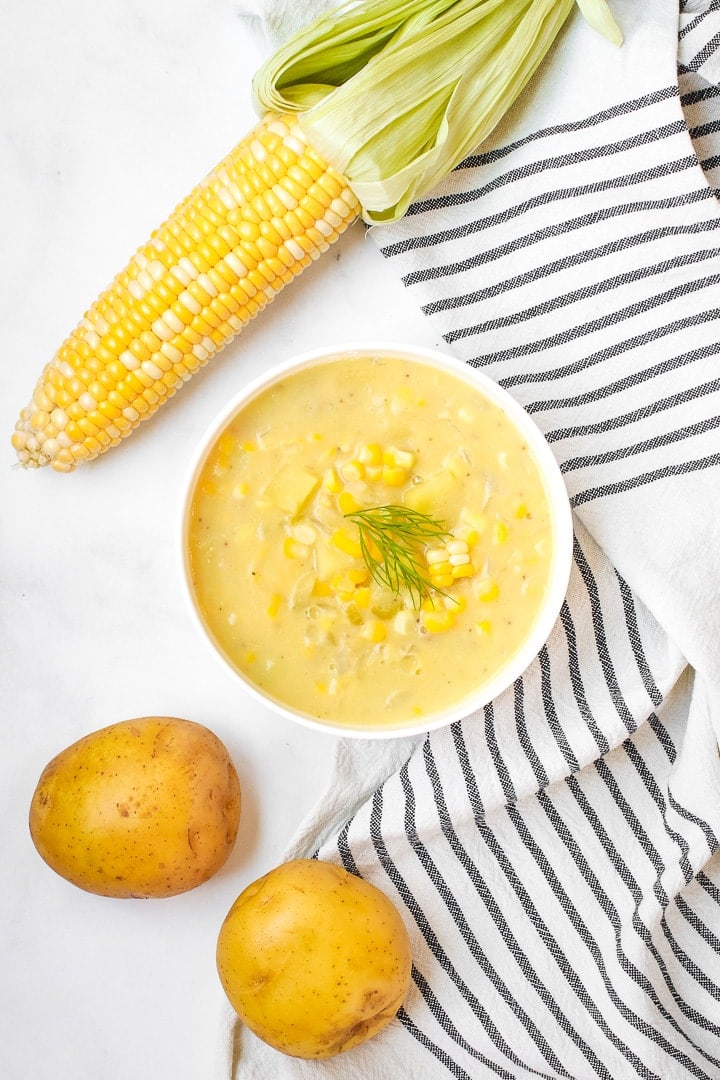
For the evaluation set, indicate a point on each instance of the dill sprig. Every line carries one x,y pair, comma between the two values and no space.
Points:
390,541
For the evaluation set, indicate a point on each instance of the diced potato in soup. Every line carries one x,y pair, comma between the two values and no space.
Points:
277,567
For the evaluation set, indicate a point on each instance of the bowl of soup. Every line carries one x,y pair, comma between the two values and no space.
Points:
376,539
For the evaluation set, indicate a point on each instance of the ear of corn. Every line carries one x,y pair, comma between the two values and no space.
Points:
256,221
392,94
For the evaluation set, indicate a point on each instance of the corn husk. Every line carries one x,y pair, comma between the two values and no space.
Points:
395,94
599,16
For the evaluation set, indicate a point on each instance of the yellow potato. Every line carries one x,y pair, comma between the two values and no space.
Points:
313,959
142,808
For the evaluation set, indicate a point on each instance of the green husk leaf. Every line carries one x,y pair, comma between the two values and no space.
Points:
598,15
396,94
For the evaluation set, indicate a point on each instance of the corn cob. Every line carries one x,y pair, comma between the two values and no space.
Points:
366,80
254,223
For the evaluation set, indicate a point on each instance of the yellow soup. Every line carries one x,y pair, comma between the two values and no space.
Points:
276,562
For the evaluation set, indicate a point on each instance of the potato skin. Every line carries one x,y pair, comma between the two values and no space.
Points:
313,959
144,808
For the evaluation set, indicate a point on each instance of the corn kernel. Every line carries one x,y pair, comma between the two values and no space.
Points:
321,588
347,503
347,543
374,551
435,555
304,533
440,569
437,621
404,395
226,444
370,454
293,549
463,570
353,470
484,626
442,581
361,596
487,590
404,458
457,547
404,622
374,631
274,605
394,475
468,534
331,480
39,420
500,532
456,604
343,585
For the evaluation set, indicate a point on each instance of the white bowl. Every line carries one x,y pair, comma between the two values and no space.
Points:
556,493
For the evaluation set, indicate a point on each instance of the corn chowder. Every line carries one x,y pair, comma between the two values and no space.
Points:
283,575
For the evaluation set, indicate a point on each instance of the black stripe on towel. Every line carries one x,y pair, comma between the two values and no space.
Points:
576,332
576,680
639,341
601,641
562,228
565,968
515,950
641,1023
636,642
661,441
625,876
433,942
609,908
647,411
546,682
560,300
682,468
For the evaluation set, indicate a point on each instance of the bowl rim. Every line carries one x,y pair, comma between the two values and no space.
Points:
558,499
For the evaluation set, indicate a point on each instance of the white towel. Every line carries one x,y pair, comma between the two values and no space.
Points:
555,856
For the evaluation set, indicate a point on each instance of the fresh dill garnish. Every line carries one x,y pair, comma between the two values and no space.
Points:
390,541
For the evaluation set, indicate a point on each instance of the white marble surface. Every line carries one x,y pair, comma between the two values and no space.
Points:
110,113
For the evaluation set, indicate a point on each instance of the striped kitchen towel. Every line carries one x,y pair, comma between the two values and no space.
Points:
555,856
